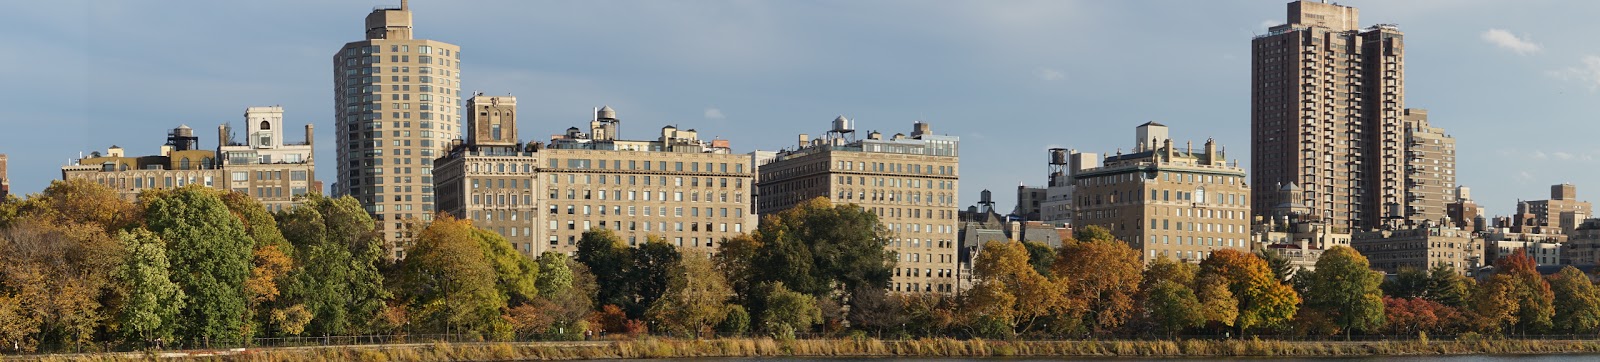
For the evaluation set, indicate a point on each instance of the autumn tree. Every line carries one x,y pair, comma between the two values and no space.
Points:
1535,301
1099,277
150,300
1577,302
1009,289
211,259
696,297
1263,302
788,311
54,272
80,201
516,275
450,284
271,260
1495,305
1346,289
1167,298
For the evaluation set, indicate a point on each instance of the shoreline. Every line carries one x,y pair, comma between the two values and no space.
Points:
652,348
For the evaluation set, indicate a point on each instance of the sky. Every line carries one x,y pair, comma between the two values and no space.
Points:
1515,83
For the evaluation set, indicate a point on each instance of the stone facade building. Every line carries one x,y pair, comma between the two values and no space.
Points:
1420,247
5,183
267,167
1326,105
1430,172
1561,213
1545,249
395,99
909,182
1161,200
1583,245
542,197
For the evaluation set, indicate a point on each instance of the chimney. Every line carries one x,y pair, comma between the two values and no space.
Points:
309,134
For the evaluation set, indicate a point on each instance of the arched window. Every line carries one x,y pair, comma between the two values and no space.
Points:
205,162
183,164
266,125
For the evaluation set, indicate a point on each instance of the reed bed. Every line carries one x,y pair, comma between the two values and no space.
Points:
646,348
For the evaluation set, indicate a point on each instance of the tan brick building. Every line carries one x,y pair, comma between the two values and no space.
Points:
1326,105
1430,173
1421,247
5,183
542,197
1162,200
268,167
909,182
395,99
1561,213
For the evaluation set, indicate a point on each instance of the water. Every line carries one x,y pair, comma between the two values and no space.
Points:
1463,358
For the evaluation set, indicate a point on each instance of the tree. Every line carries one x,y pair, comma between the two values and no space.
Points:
1345,289
1218,306
609,260
1535,301
1409,282
56,271
271,257
735,322
1167,299
1099,277
873,309
650,275
555,278
450,283
516,275
337,278
1448,287
1281,268
696,297
1577,303
1008,287
788,310
150,300
735,259
823,249
1263,301
211,259
1041,256
80,201
1495,304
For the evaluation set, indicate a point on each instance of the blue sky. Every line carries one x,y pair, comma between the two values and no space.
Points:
1514,82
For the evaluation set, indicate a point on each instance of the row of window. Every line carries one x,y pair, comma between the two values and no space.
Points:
635,165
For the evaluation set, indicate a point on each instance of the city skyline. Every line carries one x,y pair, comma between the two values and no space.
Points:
757,77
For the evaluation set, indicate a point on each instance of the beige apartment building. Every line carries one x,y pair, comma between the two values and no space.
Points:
267,167
395,99
1430,173
543,197
1327,99
1161,200
1583,245
909,182
1421,247
5,183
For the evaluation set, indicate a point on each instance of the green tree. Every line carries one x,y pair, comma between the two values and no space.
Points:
735,322
735,259
1577,303
1041,256
516,275
1448,287
337,279
1168,301
1263,301
211,259
605,255
150,300
1218,306
1345,289
1280,266
823,249
696,297
650,275
450,284
555,278
788,310
1409,282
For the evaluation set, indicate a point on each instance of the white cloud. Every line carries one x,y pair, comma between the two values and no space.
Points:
1508,41
1540,155
1562,155
1524,176
1587,72
714,113
1050,74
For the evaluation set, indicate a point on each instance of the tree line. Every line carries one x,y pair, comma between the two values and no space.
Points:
81,269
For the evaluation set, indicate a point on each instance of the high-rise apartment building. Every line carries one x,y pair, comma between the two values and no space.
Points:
690,192
395,106
1162,200
1430,173
1327,99
909,182
268,167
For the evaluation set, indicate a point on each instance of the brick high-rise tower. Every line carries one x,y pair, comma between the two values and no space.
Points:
1326,104
395,100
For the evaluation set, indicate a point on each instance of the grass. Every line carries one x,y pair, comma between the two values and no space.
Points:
936,347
